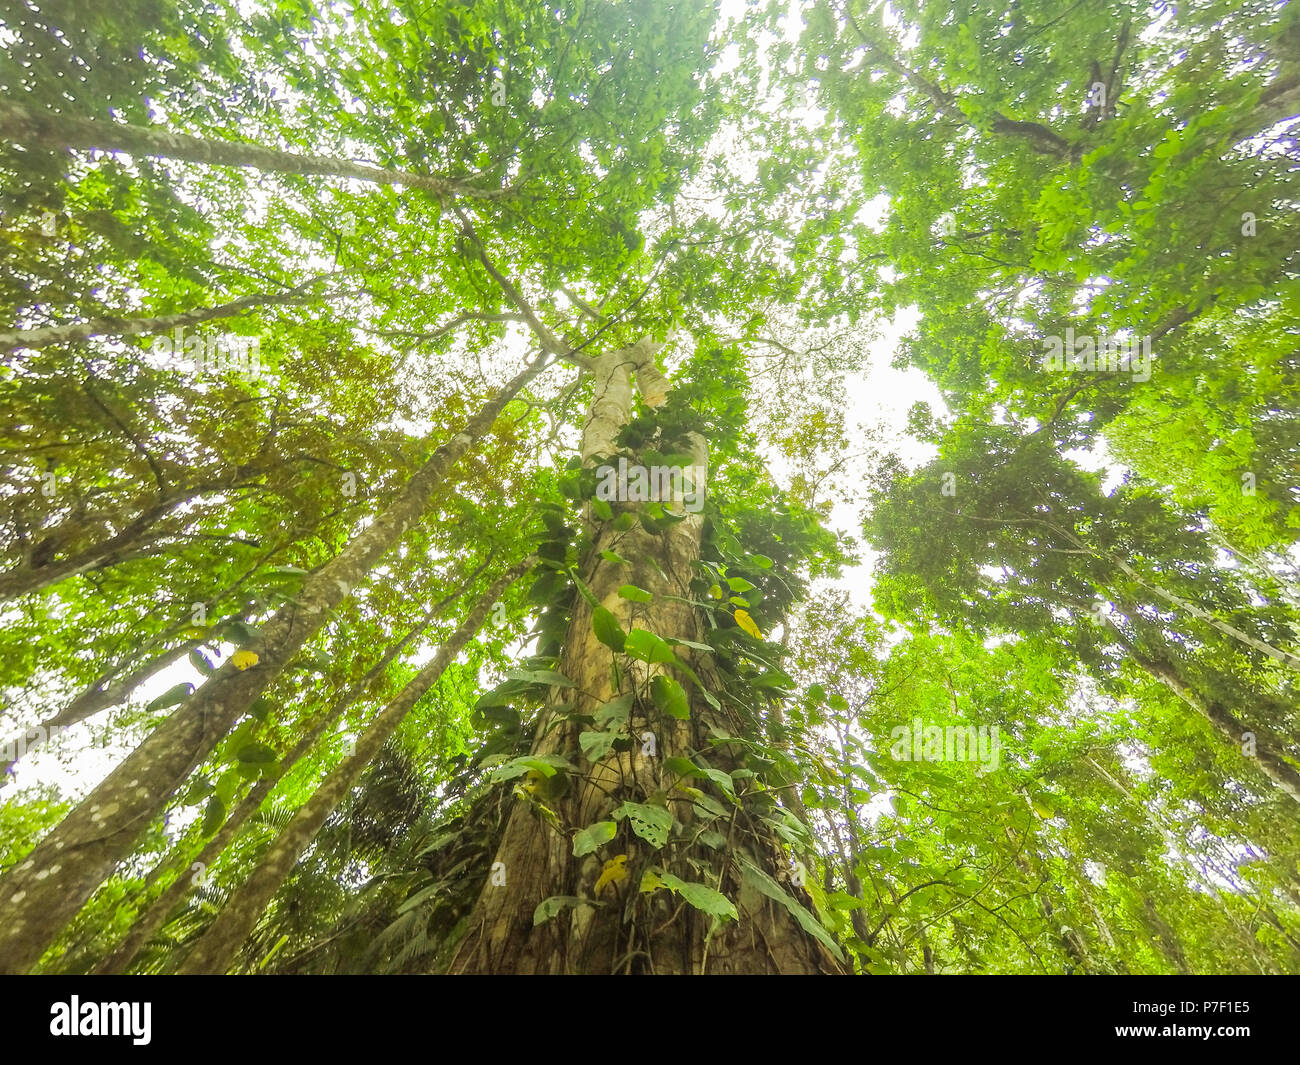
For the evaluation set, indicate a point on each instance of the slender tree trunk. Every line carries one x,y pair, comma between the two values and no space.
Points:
47,336
24,579
156,914
217,948
44,891
623,928
1271,762
44,129
93,700
1168,939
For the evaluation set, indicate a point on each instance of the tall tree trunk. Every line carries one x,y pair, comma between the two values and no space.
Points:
217,948
45,129
1271,761
47,336
44,891
627,925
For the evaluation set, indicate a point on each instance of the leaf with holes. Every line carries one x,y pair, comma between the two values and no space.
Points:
651,823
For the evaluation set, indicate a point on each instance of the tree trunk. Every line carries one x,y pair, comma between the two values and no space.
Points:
45,129
45,890
1271,762
622,926
47,336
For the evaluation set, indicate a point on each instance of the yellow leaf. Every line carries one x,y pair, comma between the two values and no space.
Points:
650,881
716,591
195,632
747,623
613,872
243,659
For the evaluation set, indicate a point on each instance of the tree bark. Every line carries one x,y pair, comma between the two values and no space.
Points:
45,890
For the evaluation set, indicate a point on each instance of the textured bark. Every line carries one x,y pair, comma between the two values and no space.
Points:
45,890
630,931
44,129
218,946
47,336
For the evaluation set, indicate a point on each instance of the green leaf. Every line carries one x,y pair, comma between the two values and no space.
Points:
670,697
614,556
596,744
582,588
593,837
549,588
624,521
602,510
676,642
548,908
546,764
683,767
761,561
645,645
702,897
615,709
739,584
239,632
214,814
541,676
635,594
200,662
723,780
607,629
256,752
764,884
176,694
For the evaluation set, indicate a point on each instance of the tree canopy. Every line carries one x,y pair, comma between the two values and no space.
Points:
632,486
